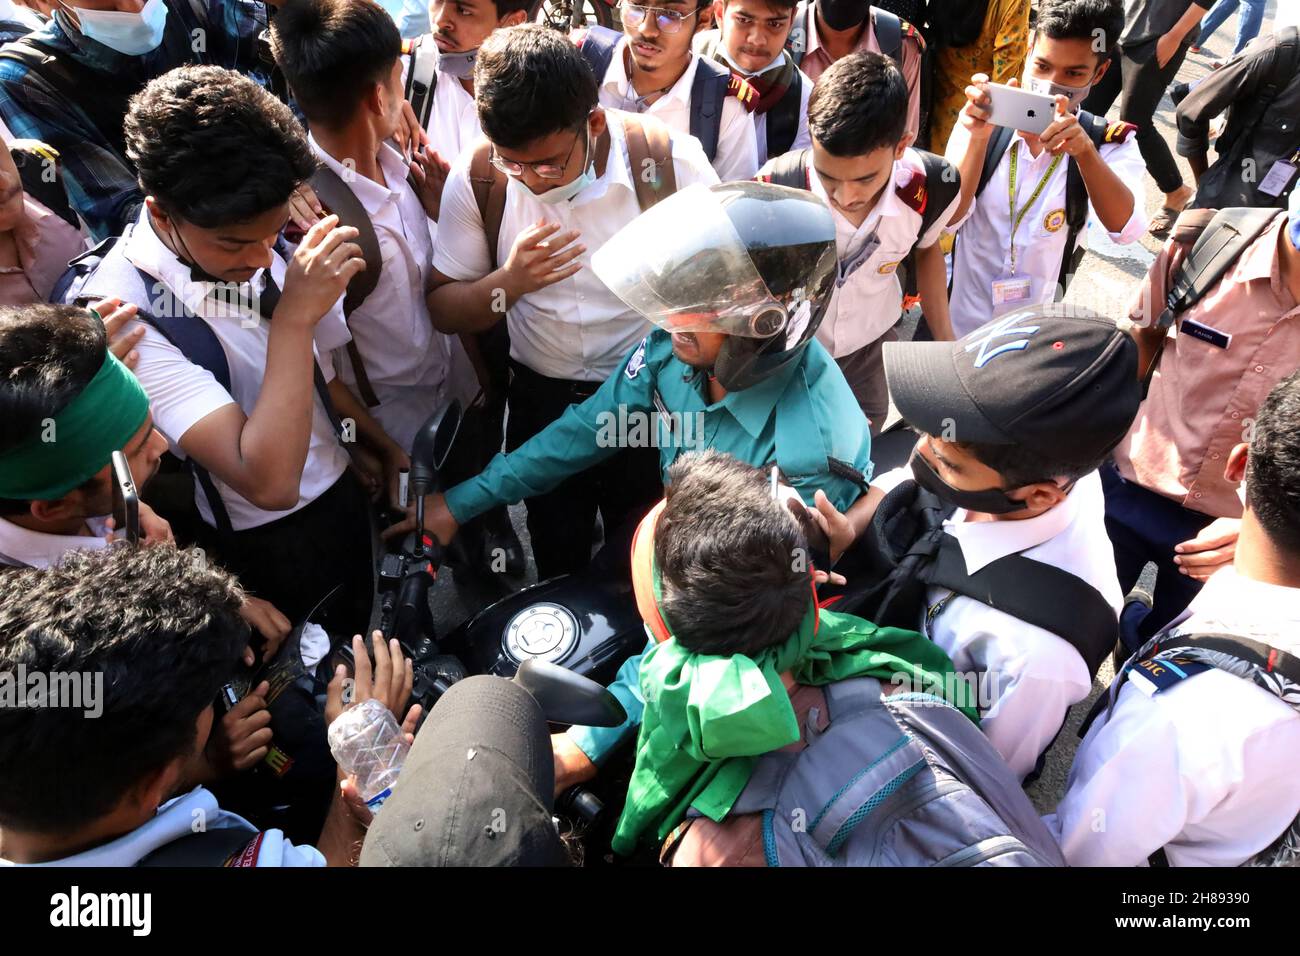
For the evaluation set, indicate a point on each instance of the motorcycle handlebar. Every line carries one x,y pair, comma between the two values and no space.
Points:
580,802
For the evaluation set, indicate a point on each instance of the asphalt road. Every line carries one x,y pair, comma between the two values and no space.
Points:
1105,283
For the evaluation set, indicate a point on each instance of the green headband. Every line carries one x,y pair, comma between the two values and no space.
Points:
79,440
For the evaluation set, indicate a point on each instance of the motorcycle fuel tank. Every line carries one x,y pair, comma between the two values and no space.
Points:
576,621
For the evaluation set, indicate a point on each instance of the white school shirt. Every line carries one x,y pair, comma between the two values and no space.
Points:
869,302
1029,677
576,329
982,253
737,153
181,394
21,547
407,361
1206,768
178,818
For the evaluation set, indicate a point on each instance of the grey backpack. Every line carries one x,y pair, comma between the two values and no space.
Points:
904,780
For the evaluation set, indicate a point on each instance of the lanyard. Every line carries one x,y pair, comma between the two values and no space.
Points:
1016,220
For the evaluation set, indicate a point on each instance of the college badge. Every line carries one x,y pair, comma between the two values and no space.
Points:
888,268
636,361
1054,220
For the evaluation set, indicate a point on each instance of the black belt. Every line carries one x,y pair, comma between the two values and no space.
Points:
572,390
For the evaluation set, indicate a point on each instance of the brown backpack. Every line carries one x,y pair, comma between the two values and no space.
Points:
649,149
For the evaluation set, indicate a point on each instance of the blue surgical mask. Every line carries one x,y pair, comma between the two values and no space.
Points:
132,34
458,65
562,194
1293,216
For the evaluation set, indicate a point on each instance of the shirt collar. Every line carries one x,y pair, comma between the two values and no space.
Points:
887,205
812,43
752,407
369,193
983,542
1244,606
617,79
39,549
146,251
1261,260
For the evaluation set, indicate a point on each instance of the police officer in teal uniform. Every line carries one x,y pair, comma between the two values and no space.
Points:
736,277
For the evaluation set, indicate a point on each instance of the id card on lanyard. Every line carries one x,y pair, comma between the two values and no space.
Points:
1013,287
1280,175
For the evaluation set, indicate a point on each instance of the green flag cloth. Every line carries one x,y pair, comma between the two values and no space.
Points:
707,718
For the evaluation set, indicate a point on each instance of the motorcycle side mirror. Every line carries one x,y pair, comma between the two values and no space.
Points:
432,447
569,698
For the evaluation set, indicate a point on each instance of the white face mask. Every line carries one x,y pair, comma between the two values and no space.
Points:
1075,94
132,34
562,194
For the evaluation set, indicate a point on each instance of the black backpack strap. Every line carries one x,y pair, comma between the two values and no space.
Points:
783,119
35,160
790,169
597,46
942,185
993,153
1034,592
1264,656
708,93
207,848
888,28
338,197
1076,203
1218,247
421,77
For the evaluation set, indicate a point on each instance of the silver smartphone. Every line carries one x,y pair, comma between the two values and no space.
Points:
1020,109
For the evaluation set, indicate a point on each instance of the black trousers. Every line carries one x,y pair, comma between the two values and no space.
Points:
297,560
1140,82
561,522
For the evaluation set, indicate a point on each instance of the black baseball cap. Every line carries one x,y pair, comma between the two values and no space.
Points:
477,788
1056,380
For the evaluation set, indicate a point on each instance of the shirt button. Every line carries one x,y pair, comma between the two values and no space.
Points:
1215,456
1259,368
1196,494
1236,415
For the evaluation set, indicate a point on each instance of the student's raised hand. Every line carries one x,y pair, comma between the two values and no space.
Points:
265,618
242,736
979,107
836,525
1064,134
1212,549
122,331
305,209
542,256
389,681
319,271
409,136
429,171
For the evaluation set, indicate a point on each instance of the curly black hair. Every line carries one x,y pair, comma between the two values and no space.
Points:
162,628
213,147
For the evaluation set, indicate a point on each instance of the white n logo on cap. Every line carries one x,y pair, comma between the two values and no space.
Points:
1000,329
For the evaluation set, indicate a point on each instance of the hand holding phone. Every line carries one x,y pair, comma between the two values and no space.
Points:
1019,109
126,502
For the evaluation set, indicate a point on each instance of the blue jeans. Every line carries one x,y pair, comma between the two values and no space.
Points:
1248,24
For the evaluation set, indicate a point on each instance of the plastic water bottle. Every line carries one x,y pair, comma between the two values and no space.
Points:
366,740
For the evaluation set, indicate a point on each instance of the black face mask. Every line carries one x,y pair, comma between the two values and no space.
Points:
842,14
992,501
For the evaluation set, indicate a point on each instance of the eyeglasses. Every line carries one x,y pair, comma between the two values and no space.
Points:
668,21
541,170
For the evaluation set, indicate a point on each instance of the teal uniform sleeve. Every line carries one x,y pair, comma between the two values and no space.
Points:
583,436
599,742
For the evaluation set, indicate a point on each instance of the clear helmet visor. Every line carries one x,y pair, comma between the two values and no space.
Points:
683,266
